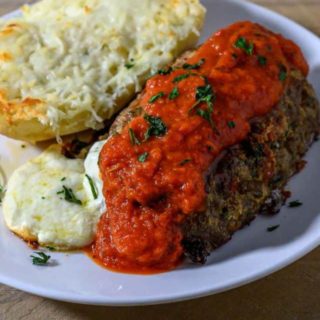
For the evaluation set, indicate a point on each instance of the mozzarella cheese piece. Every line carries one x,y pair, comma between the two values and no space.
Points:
91,165
84,60
35,206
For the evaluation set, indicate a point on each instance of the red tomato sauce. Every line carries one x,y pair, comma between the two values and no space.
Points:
154,169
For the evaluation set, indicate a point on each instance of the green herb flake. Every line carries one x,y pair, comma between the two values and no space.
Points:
262,60
51,248
40,260
205,114
133,139
272,228
157,127
143,157
156,97
63,179
181,77
185,161
231,124
2,191
69,195
174,93
242,43
188,66
93,187
294,204
164,72
205,94
282,73
43,198
130,64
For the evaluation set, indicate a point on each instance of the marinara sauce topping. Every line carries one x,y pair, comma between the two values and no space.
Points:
154,169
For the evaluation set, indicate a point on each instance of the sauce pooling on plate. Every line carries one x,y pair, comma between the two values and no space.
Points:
154,170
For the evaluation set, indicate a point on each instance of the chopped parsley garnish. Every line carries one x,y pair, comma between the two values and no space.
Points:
62,179
282,73
1,192
40,260
183,162
156,97
43,198
92,187
262,60
272,228
143,157
130,64
174,93
242,43
69,195
231,124
205,79
133,139
164,72
205,94
205,114
294,204
51,248
181,77
188,66
157,127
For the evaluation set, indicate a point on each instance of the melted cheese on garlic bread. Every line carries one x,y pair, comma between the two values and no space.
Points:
68,65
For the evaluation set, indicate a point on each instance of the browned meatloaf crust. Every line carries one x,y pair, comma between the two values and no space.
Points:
250,177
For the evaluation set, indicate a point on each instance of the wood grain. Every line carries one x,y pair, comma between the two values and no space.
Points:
290,294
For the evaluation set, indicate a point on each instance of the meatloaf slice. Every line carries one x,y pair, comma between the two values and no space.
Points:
250,177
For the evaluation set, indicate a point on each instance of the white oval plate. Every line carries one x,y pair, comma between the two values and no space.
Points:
252,253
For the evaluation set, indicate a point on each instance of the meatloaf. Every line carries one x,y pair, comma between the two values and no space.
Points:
209,144
251,176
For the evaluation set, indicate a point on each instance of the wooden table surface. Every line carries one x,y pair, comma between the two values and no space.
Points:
290,294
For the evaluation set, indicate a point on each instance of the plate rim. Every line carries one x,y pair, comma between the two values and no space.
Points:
191,294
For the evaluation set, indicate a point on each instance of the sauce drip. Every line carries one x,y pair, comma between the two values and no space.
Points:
154,169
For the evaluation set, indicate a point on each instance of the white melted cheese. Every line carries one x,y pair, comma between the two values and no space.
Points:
92,170
72,55
34,209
